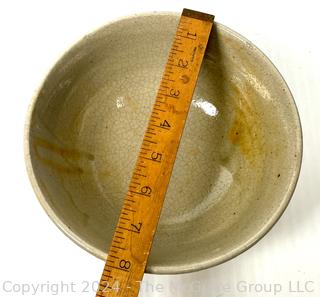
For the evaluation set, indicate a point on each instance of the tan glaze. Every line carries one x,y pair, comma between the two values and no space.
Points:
246,127
69,156
238,161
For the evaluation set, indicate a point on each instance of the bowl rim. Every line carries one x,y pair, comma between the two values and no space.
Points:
176,269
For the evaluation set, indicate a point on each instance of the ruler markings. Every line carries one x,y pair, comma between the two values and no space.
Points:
136,226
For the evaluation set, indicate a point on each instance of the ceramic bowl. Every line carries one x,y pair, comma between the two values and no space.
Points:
238,161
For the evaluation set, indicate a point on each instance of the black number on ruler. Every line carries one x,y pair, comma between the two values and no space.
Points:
146,190
124,264
165,124
137,227
183,63
192,35
174,93
156,156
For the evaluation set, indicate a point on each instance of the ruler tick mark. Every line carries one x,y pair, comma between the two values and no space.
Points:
113,256
150,141
174,49
168,95
118,247
127,209
107,276
139,193
134,231
187,37
153,160
136,183
126,219
165,128
115,267
168,79
142,166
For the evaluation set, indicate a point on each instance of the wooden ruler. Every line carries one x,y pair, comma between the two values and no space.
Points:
141,209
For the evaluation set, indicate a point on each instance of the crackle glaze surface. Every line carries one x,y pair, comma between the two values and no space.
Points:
238,161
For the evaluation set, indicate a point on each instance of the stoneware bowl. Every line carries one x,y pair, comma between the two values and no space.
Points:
238,161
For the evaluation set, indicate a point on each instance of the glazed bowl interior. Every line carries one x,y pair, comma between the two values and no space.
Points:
238,161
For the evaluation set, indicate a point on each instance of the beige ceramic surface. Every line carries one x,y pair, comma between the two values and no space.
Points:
238,161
